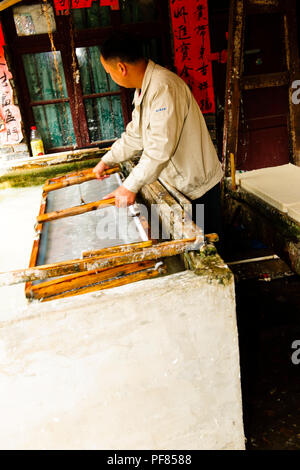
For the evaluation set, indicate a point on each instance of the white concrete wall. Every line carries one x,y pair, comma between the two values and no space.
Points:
152,365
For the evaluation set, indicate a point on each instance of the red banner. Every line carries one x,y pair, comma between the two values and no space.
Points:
10,117
2,41
113,4
81,3
61,5
192,49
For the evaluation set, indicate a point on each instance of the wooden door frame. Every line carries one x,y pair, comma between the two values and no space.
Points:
236,83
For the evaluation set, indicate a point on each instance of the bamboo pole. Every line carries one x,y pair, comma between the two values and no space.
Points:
126,248
161,250
76,210
78,179
36,242
55,159
110,283
232,169
179,197
76,281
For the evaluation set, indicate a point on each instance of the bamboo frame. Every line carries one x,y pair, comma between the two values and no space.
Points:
77,178
107,267
88,279
110,283
73,282
127,248
161,250
76,210
36,243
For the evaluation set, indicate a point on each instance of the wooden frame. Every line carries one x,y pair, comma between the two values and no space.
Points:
187,239
236,82
118,266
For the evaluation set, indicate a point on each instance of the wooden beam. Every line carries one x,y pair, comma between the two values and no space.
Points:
7,3
170,212
126,248
81,177
55,159
253,82
76,210
36,242
233,75
161,250
292,59
69,284
110,283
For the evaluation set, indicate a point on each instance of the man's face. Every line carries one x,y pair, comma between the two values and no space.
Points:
116,70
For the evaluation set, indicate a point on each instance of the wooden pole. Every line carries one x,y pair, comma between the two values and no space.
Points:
77,179
76,281
76,210
110,283
232,169
127,248
161,250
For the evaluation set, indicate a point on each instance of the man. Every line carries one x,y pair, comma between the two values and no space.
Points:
167,129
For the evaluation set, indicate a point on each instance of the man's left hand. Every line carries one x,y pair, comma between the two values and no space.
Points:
123,196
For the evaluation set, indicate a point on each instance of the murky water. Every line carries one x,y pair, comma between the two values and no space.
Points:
18,210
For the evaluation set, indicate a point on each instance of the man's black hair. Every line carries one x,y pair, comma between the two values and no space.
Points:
122,46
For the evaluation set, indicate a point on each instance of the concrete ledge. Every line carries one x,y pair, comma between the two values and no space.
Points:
152,365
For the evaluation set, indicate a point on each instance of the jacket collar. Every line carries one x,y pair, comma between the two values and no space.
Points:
138,97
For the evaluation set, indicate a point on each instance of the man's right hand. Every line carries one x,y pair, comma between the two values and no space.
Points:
98,170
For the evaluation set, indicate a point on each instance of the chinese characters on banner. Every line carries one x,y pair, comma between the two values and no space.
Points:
64,5
113,4
81,3
10,117
192,49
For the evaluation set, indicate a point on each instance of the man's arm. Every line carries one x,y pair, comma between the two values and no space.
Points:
168,113
126,147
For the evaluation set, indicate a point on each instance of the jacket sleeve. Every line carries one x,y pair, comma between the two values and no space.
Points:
167,115
128,145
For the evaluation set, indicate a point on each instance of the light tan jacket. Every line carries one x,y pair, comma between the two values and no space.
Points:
169,129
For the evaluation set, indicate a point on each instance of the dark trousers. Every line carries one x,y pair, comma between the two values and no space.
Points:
212,211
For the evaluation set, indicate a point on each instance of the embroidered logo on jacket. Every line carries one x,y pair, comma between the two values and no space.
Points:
160,109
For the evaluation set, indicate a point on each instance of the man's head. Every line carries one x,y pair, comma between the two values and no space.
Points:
122,57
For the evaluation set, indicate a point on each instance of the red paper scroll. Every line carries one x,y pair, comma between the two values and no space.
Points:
2,41
61,5
10,117
192,49
113,4
65,5
81,3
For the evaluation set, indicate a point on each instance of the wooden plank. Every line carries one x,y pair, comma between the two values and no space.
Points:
7,3
85,279
55,159
36,243
233,75
161,250
127,279
181,225
76,210
81,177
126,248
252,82
292,58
